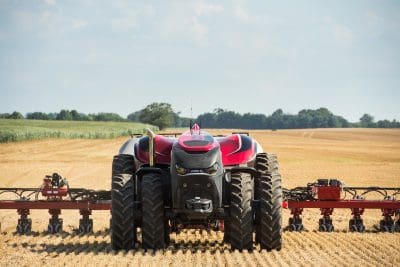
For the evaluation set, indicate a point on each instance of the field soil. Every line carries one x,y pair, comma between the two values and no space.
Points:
359,157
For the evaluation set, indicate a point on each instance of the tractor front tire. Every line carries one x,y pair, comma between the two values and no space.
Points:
240,226
269,192
154,226
123,230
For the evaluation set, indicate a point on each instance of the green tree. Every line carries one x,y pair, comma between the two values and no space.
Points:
159,114
384,124
4,115
52,115
16,116
207,120
135,116
64,115
75,115
367,121
37,116
106,116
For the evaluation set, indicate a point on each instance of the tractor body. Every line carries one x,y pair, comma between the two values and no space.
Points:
195,173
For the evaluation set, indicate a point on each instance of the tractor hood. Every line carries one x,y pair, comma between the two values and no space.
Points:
197,141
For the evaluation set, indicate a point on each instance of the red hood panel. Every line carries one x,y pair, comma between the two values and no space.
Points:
236,149
163,147
197,142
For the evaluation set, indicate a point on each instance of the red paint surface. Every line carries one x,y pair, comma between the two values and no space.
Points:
163,147
198,141
231,151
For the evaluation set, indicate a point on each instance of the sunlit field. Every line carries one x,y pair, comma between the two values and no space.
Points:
359,157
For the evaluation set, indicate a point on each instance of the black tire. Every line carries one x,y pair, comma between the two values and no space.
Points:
227,231
226,187
397,226
325,225
85,226
55,226
123,230
153,222
240,226
269,192
24,227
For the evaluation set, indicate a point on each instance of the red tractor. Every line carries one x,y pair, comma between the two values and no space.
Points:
164,184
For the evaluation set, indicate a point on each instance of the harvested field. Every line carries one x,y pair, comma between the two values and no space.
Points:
361,157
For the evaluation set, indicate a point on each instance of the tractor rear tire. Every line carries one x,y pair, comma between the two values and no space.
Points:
269,192
240,226
154,223
227,231
123,230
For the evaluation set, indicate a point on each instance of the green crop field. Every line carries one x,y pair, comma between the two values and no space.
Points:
18,130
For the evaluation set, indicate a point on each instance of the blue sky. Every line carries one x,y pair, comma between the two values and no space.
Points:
247,56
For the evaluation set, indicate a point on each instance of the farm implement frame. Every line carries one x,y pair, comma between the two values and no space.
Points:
326,195
55,195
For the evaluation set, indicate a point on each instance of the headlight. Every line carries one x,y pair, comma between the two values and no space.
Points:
213,169
180,170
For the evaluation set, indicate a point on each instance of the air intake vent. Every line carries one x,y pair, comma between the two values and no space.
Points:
196,143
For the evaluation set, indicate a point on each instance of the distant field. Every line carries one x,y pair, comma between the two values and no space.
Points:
18,130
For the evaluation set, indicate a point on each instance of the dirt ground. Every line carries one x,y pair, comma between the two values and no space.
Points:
359,157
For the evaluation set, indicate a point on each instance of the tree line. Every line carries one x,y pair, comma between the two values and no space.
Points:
64,115
306,118
158,114
163,116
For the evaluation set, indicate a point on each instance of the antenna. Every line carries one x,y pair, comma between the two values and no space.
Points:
191,109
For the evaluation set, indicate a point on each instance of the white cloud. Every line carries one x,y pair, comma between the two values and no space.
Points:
124,23
130,17
240,13
326,19
198,30
373,19
50,2
202,8
45,15
187,22
343,34
79,23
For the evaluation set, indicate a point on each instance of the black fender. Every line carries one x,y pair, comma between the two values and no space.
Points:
128,148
